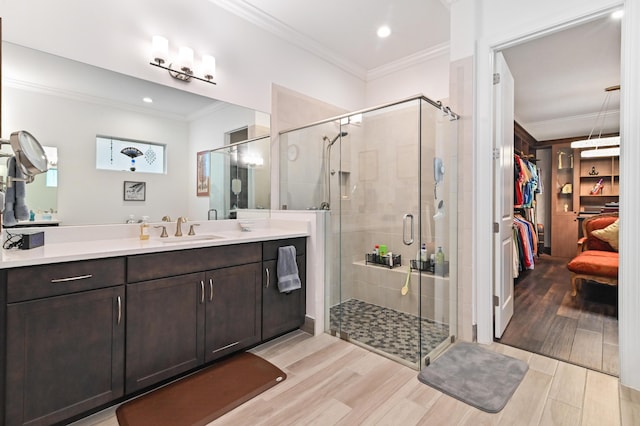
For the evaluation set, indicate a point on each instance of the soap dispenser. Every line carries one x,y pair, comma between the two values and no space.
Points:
144,228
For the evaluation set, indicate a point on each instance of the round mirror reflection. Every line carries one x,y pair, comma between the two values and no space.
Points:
29,153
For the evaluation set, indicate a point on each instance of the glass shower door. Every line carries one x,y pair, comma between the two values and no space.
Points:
378,194
438,233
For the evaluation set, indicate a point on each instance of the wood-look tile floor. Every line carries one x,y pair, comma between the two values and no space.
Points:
549,321
333,382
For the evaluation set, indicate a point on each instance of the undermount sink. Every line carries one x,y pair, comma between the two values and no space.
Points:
189,238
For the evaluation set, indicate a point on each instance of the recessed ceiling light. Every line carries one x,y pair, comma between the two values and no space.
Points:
147,100
384,31
618,14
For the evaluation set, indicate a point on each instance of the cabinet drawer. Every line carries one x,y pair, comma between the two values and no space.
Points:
34,282
270,248
167,264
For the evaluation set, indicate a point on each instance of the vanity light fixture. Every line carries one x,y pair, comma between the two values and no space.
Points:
599,141
184,62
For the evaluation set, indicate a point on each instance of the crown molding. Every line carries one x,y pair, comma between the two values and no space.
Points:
409,61
265,21
83,97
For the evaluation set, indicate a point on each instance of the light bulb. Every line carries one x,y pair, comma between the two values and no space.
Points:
185,59
208,66
159,49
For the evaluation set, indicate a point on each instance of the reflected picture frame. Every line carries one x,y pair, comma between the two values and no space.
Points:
134,191
203,175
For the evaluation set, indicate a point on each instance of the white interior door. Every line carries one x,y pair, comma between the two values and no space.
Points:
504,184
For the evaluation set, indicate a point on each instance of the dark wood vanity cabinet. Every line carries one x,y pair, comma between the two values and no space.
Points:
282,312
233,309
201,305
65,330
74,345
165,332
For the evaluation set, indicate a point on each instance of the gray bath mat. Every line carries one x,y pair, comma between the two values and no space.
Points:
476,376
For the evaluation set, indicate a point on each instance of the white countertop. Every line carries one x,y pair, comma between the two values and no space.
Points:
69,243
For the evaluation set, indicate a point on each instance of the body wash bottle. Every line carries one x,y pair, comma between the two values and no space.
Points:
144,228
438,268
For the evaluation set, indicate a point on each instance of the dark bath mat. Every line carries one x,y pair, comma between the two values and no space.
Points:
204,396
475,375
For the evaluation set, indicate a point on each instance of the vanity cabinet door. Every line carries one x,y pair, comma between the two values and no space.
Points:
66,355
233,314
282,312
165,329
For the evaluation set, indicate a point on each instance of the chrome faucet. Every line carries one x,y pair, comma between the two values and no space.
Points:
179,223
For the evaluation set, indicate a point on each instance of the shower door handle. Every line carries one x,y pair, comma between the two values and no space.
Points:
404,229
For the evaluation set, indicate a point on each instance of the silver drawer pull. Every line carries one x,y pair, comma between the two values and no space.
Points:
119,309
210,289
65,280
201,291
268,278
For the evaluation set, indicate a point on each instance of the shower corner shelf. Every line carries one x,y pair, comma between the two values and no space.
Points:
422,266
375,259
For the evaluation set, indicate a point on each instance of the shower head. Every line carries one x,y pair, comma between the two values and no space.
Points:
332,141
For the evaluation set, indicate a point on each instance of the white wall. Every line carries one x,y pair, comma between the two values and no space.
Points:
429,77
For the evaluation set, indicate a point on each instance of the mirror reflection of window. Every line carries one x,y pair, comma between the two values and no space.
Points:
150,157
51,177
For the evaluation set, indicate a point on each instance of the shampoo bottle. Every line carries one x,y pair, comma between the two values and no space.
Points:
423,252
144,228
440,257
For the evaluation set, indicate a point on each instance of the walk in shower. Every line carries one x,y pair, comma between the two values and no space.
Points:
387,178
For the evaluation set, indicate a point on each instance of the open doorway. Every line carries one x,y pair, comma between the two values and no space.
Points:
559,92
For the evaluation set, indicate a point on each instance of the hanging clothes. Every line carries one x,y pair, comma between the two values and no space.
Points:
527,182
526,240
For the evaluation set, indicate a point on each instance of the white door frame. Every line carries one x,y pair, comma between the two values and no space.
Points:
629,311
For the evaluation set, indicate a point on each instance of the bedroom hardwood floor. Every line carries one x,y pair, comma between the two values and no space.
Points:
333,382
582,330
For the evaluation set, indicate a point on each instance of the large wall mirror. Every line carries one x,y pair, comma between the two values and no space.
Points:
66,104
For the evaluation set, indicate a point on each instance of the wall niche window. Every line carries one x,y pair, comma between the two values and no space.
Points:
129,155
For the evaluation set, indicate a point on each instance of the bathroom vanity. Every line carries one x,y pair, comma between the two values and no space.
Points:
86,333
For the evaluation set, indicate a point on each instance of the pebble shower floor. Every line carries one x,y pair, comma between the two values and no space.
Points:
387,330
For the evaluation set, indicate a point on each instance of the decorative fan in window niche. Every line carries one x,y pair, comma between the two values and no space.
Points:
132,153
